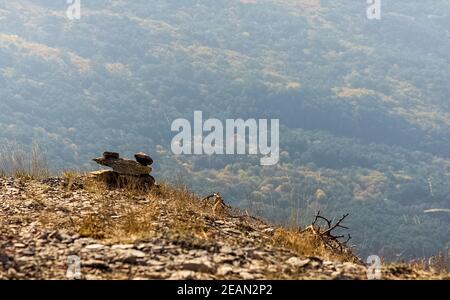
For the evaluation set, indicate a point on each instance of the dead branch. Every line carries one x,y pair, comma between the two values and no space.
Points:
210,196
326,235
218,203
347,240
318,216
338,224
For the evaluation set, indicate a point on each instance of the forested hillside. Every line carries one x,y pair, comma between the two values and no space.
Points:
363,104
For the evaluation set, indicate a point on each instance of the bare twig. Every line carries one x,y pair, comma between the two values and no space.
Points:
327,235
318,216
328,231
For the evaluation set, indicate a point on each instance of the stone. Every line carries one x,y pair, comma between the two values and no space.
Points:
28,252
122,247
12,273
198,265
96,264
182,275
66,238
113,155
297,262
315,261
156,264
131,256
268,230
246,275
55,235
258,254
143,159
144,246
124,166
157,249
336,274
225,258
226,250
224,270
125,173
95,247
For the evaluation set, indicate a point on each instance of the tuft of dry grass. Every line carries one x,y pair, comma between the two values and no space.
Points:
438,263
70,178
137,222
301,244
133,212
16,161
308,244
93,226
94,187
122,225
185,212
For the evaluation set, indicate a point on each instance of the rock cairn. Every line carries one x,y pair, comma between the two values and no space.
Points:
125,172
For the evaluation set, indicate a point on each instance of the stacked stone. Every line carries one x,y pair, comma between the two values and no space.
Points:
125,172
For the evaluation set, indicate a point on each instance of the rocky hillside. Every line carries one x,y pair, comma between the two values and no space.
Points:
167,233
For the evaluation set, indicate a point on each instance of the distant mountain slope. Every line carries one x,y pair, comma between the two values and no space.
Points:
363,104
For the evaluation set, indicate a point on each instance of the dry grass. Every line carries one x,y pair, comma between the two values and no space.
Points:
133,212
119,219
94,187
438,263
129,213
17,162
301,244
130,226
94,226
308,244
184,213
70,178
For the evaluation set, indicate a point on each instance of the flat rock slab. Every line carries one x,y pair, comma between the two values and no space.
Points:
143,159
124,166
111,155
